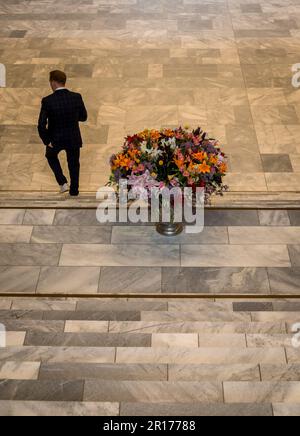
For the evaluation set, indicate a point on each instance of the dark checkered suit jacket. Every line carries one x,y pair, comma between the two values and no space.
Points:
59,119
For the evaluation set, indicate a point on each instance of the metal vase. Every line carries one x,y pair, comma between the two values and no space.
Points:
169,229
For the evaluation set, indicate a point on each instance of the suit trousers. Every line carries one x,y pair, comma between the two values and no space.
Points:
73,157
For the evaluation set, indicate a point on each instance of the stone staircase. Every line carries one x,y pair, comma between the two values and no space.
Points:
167,357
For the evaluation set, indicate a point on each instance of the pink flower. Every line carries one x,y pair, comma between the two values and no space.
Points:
141,185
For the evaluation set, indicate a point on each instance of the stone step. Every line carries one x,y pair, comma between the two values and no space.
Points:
70,370
109,357
262,392
197,327
59,408
179,355
93,305
216,409
144,327
153,392
58,354
88,339
154,372
136,304
158,316
71,408
201,356
193,392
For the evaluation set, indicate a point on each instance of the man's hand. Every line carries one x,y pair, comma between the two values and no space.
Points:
50,145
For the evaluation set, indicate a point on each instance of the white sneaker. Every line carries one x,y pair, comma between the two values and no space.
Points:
64,188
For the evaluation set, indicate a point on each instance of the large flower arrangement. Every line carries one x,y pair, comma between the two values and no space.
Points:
170,158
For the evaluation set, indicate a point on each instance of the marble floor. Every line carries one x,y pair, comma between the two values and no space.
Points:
116,320
146,357
224,64
64,251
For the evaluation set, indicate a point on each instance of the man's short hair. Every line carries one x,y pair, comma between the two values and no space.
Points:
58,76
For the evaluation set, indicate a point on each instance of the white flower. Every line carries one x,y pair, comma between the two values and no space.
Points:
169,143
172,143
154,152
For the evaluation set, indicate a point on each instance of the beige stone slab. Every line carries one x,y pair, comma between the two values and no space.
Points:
264,235
295,161
201,306
54,408
222,340
19,370
195,316
201,356
15,234
119,255
235,256
153,392
221,373
263,392
286,410
111,115
130,280
269,341
11,216
58,354
43,304
137,117
275,316
68,280
293,354
251,182
5,304
155,71
283,181
265,97
169,340
289,372
14,339
19,279
86,326
199,327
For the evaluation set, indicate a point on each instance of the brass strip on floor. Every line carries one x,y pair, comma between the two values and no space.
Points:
156,296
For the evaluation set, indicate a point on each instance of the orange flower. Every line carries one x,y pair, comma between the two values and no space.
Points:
134,155
134,152
213,160
223,168
122,161
145,134
199,156
179,162
191,167
155,135
168,132
204,168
